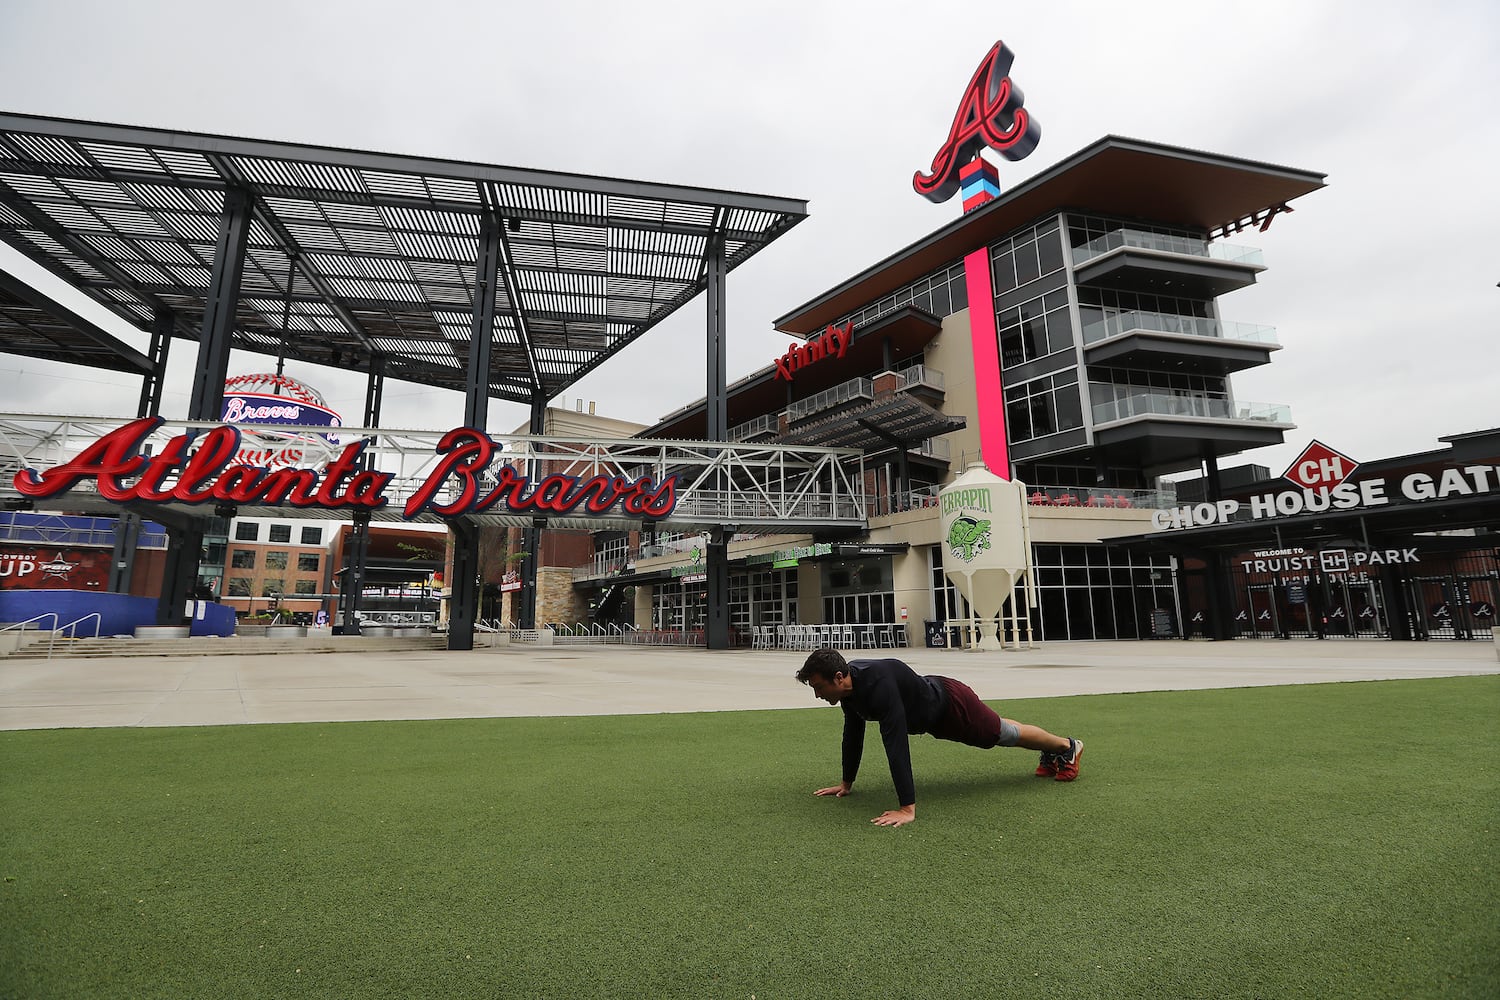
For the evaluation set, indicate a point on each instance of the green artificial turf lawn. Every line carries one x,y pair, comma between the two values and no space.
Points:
1310,841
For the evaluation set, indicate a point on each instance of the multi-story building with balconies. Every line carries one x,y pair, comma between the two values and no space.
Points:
1096,354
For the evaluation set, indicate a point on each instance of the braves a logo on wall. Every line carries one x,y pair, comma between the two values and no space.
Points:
267,399
989,114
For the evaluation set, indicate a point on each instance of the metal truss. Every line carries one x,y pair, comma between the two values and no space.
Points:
734,486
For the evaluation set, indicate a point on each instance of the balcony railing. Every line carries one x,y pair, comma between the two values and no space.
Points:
767,424
920,375
1100,497
1162,404
933,448
1183,245
918,497
857,388
1116,324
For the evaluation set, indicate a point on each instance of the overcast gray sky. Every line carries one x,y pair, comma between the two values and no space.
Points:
1382,286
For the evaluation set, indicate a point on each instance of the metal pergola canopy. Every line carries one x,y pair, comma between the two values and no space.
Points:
368,261
34,325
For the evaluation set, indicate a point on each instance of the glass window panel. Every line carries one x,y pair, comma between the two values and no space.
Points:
1012,348
306,587
276,560
938,302
958,291
245,532
307,562
239,586
1027,268
1059,331
312,535
1041,415
1018,420
243,559
1005,273
1067,408
281,532
1049,252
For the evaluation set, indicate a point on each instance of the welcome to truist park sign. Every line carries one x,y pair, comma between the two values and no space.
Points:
214,472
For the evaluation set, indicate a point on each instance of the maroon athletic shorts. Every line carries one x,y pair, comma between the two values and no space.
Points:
967,719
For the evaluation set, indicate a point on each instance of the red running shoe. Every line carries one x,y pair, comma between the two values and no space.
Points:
1047,766
1067,763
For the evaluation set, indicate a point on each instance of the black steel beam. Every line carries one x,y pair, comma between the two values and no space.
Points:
154,381
717,404
716,584
482,333
355,556
214,342
463,591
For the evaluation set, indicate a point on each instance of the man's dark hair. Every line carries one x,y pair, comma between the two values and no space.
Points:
822,663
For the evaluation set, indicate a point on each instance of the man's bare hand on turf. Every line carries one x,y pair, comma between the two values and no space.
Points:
841,789
896,817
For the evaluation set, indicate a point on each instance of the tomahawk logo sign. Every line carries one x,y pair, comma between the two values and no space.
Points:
989,114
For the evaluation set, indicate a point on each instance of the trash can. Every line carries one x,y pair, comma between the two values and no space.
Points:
937,634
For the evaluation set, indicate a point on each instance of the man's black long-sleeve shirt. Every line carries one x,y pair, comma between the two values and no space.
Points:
903,702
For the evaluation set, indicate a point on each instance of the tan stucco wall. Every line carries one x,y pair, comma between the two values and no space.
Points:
809,593
952,353
644,592
913,590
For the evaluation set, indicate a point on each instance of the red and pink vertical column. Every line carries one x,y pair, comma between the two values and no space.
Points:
980,184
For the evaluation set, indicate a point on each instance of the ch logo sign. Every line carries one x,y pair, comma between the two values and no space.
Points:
1319,468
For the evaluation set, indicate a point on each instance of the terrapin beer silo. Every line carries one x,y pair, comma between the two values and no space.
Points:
987,554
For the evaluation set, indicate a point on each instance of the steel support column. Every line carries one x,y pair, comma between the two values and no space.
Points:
374,390
219,311
185,549
180,575
716,407
463,589
122,562
128,530
531,538
716,603
161,345
482,331
355,556
716,410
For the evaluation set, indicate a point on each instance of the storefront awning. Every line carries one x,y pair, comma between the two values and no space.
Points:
876,426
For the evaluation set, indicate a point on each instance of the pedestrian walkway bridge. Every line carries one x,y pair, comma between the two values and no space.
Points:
744,487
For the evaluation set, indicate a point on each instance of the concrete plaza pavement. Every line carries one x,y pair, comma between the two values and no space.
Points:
196,690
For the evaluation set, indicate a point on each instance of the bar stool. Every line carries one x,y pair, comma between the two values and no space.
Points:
846,636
